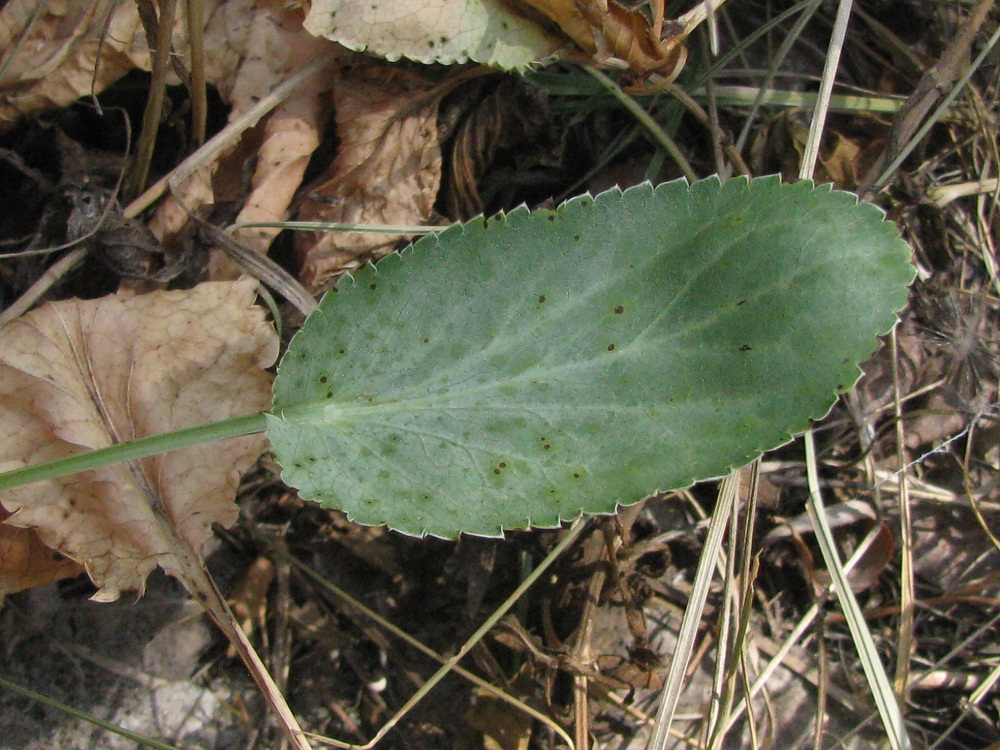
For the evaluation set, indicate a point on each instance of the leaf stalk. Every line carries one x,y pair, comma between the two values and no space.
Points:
135,449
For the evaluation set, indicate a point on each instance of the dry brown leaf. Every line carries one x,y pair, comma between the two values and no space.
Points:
605,30
52,58
850,146
495,724
73,49
292,131
251,46
869,568
274,47
248,601
495,120
387,170
26,563
79,375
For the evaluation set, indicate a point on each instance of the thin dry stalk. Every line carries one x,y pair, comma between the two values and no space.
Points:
198,86
673,684
906,644
161,46
928,92
818,123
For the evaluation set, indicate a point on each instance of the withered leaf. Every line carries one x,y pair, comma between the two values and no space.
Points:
79,375
387,170
73,49
26,563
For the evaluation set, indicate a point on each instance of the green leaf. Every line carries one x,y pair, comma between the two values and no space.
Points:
434,31
524,369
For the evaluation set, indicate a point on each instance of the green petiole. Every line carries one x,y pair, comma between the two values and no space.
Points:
134,449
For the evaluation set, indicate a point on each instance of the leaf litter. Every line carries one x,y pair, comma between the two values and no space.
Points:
387,170
945,377
82,375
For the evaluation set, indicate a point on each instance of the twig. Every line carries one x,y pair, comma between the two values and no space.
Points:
197,87
160,44
702,116
929,91
45,282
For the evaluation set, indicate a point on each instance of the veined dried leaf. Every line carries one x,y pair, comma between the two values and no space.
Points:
274,47
387,170
26,563
291,134
79,375
73,49
602,30
435,31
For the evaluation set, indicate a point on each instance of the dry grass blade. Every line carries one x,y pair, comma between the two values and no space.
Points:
885,699
794,636
743,600
644,119
906,643
569,538
258,265
723,684
71,711
942,195
353,603
779,57
910,126
915,440
674,682
826,89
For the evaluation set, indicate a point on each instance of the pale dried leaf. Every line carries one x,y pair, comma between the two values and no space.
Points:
291,135
170,217
439,31
275,47
26,563
495,724
79,375
387,170
69,40
57,60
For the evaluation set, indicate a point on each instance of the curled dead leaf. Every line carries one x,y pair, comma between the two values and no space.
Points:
868,569
606,30
387,170
78,375
26,563
60,51
274,48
